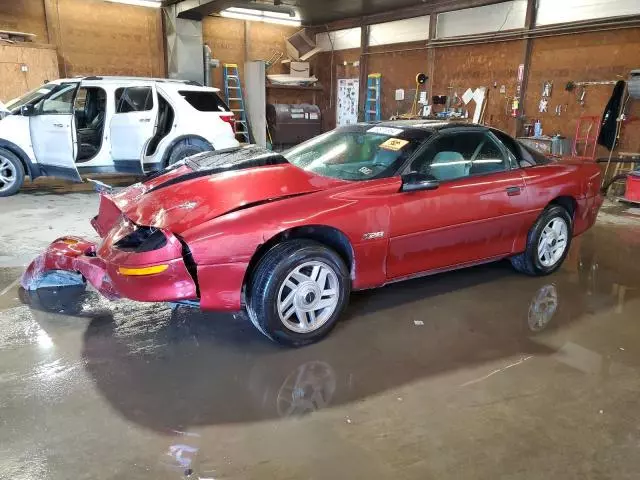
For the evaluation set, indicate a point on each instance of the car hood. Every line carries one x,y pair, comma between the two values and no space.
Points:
186,197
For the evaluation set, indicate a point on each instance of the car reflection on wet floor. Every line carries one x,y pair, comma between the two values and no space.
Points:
174,369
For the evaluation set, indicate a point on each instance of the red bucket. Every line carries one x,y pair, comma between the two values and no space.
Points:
633,187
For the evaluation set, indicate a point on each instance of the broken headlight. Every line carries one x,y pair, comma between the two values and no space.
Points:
143,239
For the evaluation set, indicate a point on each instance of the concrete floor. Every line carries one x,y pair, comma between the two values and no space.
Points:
482,373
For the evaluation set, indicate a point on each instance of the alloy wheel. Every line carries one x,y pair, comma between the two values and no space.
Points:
553,242
8,174
308,297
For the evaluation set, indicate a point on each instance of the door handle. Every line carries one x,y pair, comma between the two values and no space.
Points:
145,120
513,191
59,125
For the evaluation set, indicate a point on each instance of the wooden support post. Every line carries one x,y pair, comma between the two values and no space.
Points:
529,24
431,54
53,32
364,72
247,35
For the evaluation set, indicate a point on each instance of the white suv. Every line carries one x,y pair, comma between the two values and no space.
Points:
109,124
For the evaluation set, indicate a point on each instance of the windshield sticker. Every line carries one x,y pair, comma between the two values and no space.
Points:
44,90
385,131
394,144
366,171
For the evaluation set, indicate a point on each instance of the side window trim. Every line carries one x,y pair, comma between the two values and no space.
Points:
512,160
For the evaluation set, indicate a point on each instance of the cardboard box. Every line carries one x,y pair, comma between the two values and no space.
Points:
300,69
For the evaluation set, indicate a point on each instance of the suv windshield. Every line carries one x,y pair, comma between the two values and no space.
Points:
30,97
357,152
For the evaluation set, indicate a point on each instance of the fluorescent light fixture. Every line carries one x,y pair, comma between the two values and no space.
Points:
261,16
138,3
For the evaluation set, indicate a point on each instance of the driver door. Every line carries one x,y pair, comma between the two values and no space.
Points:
473,216
133,126
52,129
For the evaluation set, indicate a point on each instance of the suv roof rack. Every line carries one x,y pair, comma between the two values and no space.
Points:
163,80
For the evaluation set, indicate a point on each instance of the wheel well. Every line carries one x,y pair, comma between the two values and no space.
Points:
568,203
185,138
329,236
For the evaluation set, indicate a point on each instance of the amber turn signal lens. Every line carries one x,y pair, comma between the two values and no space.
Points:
142,270
70,241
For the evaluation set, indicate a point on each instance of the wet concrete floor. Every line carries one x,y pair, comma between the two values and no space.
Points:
481,373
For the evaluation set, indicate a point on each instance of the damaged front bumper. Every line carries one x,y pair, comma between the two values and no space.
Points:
113,274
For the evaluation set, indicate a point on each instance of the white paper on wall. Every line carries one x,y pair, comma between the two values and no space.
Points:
347,108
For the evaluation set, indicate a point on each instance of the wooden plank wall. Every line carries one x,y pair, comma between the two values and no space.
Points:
41,63
583,57
94,36
484,65
104,38
226,38
24,16
577,57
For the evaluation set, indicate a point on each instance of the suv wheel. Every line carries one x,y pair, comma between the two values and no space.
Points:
298,291
11,173
187,147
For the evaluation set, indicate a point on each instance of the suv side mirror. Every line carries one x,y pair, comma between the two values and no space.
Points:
27,110
415,182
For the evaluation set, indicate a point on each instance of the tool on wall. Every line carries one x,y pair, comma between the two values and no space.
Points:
233,92
373,102
421,79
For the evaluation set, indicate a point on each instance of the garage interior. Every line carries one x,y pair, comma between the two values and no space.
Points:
478,373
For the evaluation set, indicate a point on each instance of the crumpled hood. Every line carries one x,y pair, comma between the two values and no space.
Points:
171,203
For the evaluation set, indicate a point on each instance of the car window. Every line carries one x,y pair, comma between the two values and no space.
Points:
509,143
204,101
59,101
524,155
459,155
134,99
30,98
357,152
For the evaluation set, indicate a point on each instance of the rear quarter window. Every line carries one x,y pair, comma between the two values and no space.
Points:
204,101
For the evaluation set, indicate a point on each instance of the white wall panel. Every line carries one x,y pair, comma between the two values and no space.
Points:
556,11
400,31
490,18
342,39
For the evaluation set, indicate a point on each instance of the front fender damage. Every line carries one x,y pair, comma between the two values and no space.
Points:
68,261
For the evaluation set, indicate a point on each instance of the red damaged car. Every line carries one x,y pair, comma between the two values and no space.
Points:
288,236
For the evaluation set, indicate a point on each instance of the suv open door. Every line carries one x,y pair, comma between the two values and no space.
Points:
52,130
132,126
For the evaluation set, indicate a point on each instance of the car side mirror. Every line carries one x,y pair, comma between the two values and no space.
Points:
27,110
415,182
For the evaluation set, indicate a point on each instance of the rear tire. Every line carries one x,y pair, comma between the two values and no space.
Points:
297,292
11,173
186,148
548,243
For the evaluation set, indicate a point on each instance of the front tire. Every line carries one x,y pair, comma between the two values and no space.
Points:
548,243
297,292
11,173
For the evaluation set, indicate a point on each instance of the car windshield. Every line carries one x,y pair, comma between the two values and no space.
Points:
358,152
30,97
